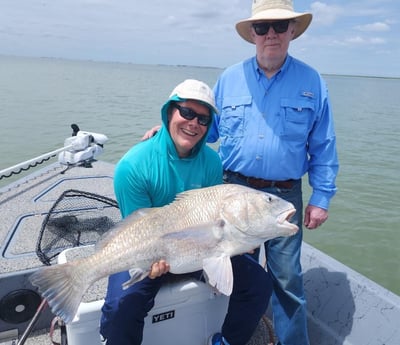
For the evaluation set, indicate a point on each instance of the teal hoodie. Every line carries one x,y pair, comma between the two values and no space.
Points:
151,173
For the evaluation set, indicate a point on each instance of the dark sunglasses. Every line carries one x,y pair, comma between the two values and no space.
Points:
279,27
189,114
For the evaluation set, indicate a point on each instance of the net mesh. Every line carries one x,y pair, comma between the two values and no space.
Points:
77,218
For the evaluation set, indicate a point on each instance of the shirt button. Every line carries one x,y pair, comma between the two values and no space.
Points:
258,158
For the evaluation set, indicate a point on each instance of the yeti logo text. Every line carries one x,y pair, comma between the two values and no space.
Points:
163,316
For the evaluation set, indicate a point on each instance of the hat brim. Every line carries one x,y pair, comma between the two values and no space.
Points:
184,97
303,20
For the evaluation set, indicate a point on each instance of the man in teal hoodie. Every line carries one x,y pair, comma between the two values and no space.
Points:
151,174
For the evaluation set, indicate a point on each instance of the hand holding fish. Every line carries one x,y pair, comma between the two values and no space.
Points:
158,269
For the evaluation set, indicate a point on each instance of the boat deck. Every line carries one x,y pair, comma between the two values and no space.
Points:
344,307
24,205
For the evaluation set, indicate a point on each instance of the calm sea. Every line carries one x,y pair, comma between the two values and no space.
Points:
40,98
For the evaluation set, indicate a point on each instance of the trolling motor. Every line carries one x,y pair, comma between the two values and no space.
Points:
81,146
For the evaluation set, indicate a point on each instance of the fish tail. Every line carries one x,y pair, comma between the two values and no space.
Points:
62,287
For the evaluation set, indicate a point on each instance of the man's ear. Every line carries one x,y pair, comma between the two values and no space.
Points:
293,29
252,34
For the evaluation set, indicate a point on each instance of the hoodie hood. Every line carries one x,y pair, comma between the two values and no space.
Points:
190,89
164,127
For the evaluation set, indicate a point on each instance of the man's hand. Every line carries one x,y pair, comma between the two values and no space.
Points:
314,216
158,269
151,132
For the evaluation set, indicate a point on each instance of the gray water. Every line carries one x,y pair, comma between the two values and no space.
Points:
40,98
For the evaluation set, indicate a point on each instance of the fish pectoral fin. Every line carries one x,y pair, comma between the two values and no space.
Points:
219,273
137,274
209,232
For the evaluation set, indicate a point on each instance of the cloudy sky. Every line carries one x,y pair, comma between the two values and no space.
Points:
346,37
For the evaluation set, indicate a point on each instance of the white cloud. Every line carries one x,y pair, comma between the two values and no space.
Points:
194,32
377,40
365,41
374,27
325,14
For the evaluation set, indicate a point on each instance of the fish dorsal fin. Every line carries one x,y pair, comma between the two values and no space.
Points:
219,273
141,212
186,193
134,216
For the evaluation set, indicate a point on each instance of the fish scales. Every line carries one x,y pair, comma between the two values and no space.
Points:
201,229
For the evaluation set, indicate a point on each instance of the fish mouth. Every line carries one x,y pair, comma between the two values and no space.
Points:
284,220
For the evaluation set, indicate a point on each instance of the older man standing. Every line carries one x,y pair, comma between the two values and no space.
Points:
275,125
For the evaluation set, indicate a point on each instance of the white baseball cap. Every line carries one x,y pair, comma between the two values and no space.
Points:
195,90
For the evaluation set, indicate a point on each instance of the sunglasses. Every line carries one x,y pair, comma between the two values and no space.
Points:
279,27
189,114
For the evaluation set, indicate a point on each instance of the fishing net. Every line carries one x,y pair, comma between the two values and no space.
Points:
77,218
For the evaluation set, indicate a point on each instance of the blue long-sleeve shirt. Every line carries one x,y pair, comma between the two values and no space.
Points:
278,128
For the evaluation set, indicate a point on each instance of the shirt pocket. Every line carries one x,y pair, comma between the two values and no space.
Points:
233,116
297,118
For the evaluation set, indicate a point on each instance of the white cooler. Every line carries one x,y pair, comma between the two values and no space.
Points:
185,312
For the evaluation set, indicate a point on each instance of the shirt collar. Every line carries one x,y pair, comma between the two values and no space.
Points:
259,72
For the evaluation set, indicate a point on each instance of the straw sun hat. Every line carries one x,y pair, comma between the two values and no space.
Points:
273,10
